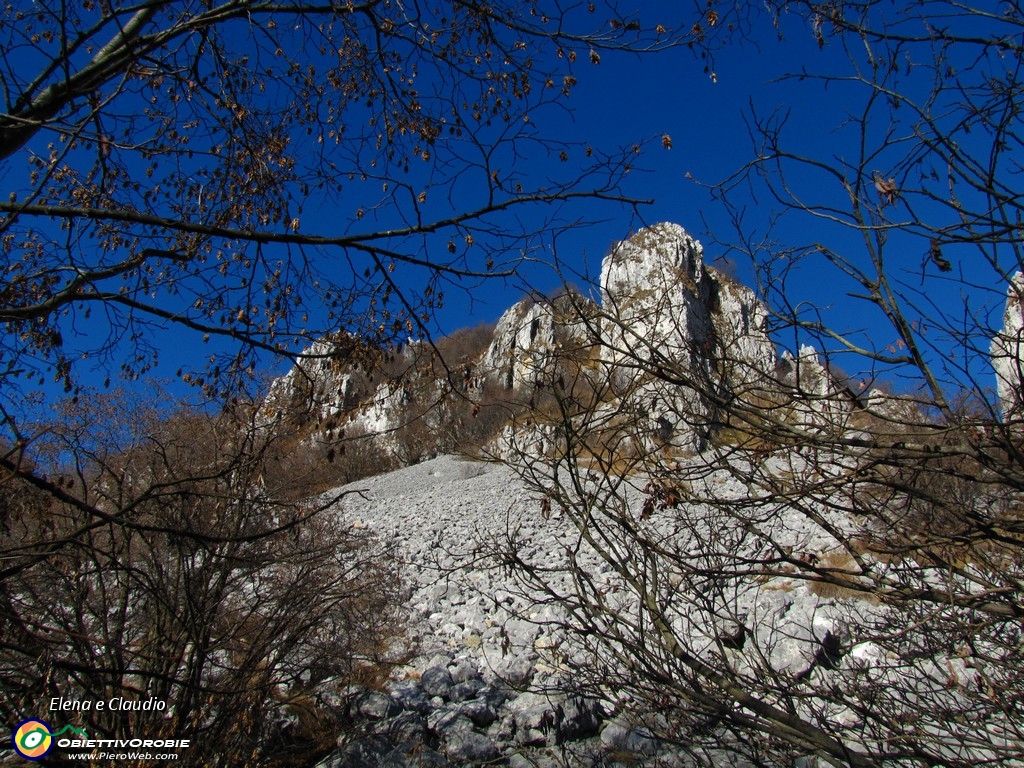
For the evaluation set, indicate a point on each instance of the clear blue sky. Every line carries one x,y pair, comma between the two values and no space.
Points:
628,99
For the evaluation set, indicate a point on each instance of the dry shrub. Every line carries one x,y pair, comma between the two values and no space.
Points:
938,504
841,566
306,467
174,569
465,345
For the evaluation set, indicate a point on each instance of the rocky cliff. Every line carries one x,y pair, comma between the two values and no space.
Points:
664,306
532,335
670,342
660,298
659,302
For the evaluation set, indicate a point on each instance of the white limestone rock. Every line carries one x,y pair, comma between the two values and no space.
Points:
326,385
320,385
663,306
1007,350
659,294
815,400
530,337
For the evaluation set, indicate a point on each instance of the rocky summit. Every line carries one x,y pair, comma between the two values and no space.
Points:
658,297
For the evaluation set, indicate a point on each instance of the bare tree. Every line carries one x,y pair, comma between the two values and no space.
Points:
797,562
174,573
263,173
251,176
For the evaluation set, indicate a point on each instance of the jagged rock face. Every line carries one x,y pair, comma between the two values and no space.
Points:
323,384
814,399
659,295
1007,349
664,306
331,387
530,337
661,306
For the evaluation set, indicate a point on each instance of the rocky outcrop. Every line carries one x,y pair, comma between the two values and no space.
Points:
661,308
490,650
338,378
660,299
810,397
1008,353
664,307
532,336
322,383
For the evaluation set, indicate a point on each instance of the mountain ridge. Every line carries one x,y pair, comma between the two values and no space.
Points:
796,564
655,291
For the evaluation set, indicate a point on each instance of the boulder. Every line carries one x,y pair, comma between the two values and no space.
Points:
470,745
621,736
580,718
436,681
464,671
377,706
406,727
538,719
465,690
481,711
510,671
410,695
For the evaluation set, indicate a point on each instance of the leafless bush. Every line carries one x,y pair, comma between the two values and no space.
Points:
304,465
176,569
830,573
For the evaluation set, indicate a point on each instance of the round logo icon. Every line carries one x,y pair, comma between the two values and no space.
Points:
32,739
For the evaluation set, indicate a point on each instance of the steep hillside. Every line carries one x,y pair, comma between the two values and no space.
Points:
496,671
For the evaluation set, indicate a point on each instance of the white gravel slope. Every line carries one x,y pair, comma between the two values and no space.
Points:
437,513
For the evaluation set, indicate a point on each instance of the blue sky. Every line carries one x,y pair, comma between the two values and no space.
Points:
628,99
708,119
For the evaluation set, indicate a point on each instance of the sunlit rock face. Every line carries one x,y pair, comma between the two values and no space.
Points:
662,305
661,297
668,331
322,385
1007,348
811,398
532,336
